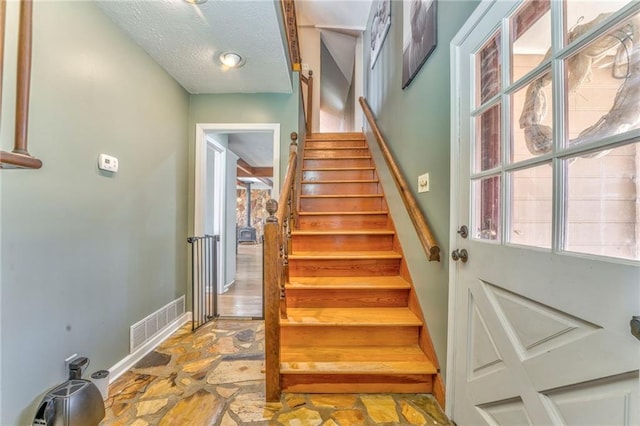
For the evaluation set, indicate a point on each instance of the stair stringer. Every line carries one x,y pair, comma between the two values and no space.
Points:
428,301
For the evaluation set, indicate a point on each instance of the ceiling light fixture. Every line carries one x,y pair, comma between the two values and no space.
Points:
231,59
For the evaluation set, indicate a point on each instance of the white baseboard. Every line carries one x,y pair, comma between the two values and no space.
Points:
130,360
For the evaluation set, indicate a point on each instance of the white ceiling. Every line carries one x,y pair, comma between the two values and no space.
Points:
255,148
187,39
334,14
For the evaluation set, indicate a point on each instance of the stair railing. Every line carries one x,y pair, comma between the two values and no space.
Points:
428,241
306,87
293,42
19,158
277,246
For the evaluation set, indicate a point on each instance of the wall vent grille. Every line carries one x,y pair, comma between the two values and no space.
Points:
148,327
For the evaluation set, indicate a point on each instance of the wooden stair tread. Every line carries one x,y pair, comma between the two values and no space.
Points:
343,196
346,232
314,255
333,169
333,283
325,182
355,360
310,213
346,157
333,148
347,317
335,136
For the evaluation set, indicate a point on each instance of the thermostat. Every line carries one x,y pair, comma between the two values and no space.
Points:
107,163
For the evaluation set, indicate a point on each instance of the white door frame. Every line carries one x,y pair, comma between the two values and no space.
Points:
454,201
204,129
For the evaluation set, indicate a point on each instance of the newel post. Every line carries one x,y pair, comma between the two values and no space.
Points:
271,261
310,103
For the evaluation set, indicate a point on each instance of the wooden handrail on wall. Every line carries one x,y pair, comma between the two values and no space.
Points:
308,102
425,235
20,157
277,245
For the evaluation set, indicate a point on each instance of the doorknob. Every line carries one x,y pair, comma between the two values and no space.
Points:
460,255
463,231
635,326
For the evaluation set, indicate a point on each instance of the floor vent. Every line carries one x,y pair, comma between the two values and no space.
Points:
148,327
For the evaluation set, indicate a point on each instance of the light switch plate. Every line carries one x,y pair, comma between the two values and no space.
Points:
423,183
107,163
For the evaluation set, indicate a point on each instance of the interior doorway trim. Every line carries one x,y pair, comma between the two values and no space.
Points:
202,130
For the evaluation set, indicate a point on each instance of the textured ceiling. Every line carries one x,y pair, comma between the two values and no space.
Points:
334,14
186,40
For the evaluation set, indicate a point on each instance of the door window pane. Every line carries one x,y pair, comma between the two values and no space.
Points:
488,70
487,147
486,211
603,86
532,119
582,15
603,204
531,206
531,29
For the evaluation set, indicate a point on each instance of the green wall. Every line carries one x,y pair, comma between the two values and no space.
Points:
85,255
244,108
415,122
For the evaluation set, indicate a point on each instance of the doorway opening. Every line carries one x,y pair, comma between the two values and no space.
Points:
232,183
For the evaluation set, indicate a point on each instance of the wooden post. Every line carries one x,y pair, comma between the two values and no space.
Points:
271,261
3,12
24,77
295,184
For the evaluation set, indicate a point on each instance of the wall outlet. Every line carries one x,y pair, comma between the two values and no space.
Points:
423,183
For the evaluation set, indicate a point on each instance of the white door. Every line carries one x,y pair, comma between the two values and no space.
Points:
545,175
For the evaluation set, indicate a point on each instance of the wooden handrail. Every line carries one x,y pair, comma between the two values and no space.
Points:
291,29
308,102
20,157
428,241
277,245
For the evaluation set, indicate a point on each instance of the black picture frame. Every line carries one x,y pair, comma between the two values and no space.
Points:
419,29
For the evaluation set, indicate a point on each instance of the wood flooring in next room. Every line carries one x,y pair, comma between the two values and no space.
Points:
215,376
244,297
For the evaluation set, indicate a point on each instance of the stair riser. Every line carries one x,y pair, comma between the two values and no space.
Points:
333,144
347,174
334,153
337,204
349,298
320,163
343,267
341,242
341,188
318,335
356,383
344,222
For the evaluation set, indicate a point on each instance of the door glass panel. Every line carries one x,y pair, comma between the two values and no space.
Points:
531,206
487,147
532,106
603,204
583,15
602,86
486,210
531,29
489,70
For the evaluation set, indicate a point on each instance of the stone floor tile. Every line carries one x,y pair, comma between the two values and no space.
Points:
351,417
294,400
300,417
251,407
201,408
412,415
381,408
234,372
333,400
144,408
226,392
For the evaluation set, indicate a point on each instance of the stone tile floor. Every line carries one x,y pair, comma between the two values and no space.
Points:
215,376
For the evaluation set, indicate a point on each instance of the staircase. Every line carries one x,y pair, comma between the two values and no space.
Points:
353,323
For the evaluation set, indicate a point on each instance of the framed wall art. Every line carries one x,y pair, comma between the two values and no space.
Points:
418,36
379,27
